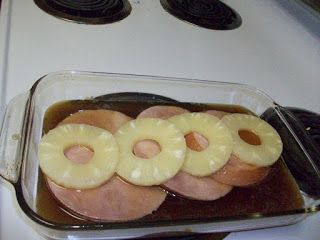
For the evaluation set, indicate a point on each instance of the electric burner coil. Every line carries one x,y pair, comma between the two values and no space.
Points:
211,14
87,11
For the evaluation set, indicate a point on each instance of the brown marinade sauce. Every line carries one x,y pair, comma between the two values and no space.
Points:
278,192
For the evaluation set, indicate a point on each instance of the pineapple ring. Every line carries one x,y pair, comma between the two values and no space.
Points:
217,154
264,154
66,173
159,168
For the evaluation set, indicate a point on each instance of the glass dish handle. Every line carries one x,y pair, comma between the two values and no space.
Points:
10,138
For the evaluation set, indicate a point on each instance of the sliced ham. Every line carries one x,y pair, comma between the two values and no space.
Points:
115,200
79,154
238,173
162,112
106,119
216,113
198,188
150,148
146,149
183,184
235,172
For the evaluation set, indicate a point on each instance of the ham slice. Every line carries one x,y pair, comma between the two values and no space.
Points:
198,188
163,112
106,119
183,184
115,200
150,148
235,172
238,173
216,113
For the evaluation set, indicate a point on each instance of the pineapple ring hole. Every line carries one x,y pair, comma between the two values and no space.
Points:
196,141
79,154
249,137
146,148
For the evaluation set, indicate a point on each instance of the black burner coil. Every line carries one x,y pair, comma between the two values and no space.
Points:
211,14
87,11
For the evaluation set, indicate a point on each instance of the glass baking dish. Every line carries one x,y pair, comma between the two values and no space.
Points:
21,131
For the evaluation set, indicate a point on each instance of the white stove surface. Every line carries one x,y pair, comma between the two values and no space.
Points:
277,50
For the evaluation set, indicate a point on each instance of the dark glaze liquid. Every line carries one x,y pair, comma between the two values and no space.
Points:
278,192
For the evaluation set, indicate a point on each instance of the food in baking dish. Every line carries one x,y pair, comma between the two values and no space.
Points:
182,187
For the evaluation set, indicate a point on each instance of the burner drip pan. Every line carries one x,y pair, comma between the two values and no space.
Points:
87,11
211,14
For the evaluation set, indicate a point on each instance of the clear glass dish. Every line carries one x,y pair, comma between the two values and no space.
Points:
22,129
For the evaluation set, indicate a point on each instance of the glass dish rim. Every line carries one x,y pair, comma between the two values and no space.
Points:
135,224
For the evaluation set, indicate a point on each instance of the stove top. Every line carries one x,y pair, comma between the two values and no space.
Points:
87,11
212,14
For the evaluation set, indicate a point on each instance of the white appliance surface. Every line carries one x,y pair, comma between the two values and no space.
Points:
277,49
